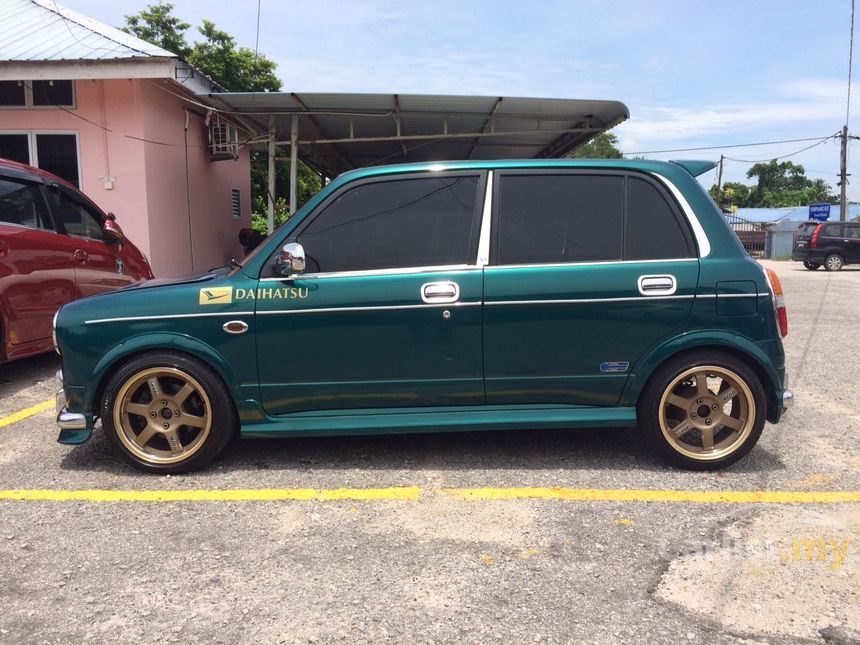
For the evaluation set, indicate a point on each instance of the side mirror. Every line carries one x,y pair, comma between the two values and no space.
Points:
112,231
291,259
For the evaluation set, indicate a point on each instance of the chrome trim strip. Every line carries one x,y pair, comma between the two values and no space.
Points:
373,272
701,237
275,312
584,264
169,316
486,222
732,295
586,300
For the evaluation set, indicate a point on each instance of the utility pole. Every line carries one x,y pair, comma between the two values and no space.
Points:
843,176
720,180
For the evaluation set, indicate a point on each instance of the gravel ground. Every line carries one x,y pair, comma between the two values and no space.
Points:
442,569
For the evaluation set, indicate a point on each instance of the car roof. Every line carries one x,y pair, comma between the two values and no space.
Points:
18,170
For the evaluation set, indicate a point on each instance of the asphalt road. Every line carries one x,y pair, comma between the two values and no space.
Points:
439,565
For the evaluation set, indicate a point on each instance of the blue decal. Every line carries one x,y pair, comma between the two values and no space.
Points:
614,366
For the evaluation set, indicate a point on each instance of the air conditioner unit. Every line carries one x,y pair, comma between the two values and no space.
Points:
223,139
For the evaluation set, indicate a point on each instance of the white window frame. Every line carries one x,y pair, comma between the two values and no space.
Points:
28,98
34,151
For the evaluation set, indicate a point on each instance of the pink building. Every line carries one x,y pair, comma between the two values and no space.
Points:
119,118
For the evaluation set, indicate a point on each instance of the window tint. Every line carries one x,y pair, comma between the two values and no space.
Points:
12,93
22,203
559,218
77,219
15,147
395,224
58,154
832,230
53,93
653,230
852,231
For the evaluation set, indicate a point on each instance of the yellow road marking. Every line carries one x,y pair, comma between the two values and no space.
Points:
410,493
415,493
27,412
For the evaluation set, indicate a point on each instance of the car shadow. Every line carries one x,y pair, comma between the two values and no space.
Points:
23,373
598,449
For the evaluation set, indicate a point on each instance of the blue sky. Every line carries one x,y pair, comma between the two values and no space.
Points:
692,73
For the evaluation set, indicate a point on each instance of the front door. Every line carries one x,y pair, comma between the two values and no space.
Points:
587,272
388,312
98,265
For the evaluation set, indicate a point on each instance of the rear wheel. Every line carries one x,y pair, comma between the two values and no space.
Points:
833,262
703,410
167,413
812,266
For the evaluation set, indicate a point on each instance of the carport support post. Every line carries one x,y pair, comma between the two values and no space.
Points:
294,163
271,181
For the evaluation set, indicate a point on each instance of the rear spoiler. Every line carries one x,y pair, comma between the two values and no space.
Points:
695,167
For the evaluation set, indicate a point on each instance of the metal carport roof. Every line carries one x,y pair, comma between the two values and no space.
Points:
337,132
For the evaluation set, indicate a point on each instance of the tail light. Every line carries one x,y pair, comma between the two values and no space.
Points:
814,243
779,300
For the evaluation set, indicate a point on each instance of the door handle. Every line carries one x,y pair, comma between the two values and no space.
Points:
80,256
440,292
657,285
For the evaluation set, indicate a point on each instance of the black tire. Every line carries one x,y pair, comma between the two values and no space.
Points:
834,262
208,406
812,266
650,419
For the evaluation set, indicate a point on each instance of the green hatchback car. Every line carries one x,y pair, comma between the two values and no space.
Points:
475,295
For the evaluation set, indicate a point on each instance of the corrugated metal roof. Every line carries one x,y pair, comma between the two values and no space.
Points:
432,127
42,30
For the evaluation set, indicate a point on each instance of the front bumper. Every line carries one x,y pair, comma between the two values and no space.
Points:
74,426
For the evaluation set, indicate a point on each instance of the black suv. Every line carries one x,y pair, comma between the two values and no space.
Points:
832,244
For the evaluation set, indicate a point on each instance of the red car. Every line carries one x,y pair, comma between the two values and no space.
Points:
56,245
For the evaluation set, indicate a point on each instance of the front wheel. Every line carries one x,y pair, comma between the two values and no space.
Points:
703,410
812,266
167,413
833,262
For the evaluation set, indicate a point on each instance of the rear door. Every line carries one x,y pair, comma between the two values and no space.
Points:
388,312
98,264
36,271
852,243
588,270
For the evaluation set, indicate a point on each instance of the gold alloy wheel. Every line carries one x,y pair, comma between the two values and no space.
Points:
707,412
162,415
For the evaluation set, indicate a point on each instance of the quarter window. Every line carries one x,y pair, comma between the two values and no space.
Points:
832,230
559,218
427,221
22,204
653,229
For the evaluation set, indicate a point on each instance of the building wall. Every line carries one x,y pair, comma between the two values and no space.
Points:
210,230
112,104
150,191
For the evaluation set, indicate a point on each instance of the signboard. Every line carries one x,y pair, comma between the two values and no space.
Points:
820,212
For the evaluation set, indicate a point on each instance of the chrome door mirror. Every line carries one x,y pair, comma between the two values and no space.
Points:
112,230
291,259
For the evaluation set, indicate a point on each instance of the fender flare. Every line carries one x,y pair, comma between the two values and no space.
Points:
150,342
733,343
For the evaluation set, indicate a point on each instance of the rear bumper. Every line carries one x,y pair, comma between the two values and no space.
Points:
782,400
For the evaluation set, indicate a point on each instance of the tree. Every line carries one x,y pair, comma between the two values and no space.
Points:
603,146
786,184
237,69
158,26
734,194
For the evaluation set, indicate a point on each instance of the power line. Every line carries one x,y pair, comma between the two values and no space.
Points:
790,154
734,145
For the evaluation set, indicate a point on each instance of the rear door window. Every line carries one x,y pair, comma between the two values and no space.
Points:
559,218
655,230
22,204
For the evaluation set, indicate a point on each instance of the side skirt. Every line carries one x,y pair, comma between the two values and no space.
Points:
441,419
